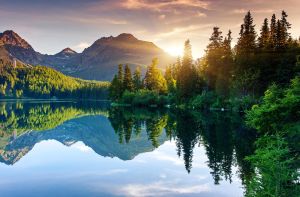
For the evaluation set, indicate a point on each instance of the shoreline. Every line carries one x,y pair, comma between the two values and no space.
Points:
51,100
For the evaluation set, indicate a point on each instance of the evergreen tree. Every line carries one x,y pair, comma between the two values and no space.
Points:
153,79
127,80
214,55
176,67
187,77
137,82
285,27
263,40
114,88
247,40
226,69
120,80
246,64
273,32
171,82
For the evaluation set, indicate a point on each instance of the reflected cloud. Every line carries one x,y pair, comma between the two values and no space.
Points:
162,188
115,171
82,147
161,156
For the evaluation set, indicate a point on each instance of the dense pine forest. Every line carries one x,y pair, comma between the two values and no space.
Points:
259,76
43,82
225,76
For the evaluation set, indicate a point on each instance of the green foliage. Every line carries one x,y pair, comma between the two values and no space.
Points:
21,117
154,80
171,82
238,76
129,122
204,101
127,80
137,81
275,175
276,158
247,40
242,104
245,83
134,94
270,58
44,82
144,98
218,61
278,111
114,88
187,77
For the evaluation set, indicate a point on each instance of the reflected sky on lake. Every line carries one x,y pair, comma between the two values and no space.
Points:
97,153
77,170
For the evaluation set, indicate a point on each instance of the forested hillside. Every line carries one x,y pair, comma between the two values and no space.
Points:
44,82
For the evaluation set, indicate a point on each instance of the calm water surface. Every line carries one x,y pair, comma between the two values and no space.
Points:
87,149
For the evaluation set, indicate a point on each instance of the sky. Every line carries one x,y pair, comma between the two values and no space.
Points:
50,26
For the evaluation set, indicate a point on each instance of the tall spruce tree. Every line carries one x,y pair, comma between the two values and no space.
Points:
247,40
263,40
226,69
171,82
114,89
137,81
214,55
127,80
246,65
285,27
273,32
188,81
280,40
185,79
120,80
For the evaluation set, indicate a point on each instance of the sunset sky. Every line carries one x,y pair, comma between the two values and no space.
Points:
50,26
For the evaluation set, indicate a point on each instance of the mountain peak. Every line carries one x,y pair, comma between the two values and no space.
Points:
10,37
126,36
68,51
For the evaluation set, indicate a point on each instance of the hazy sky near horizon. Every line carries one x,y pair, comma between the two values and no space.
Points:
50,26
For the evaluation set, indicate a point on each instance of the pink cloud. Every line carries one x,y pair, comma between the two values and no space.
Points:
158,5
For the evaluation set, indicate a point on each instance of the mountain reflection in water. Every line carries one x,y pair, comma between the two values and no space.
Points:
128,134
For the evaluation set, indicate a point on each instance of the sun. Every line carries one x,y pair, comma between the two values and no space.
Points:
174,50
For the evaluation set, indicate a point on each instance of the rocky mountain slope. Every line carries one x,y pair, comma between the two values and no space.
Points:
97,62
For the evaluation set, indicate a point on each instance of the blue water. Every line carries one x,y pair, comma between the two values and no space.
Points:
83,156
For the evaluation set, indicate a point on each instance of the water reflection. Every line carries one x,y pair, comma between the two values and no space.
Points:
224,136
125,133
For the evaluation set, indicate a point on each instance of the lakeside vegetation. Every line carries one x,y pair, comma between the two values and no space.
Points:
259,76
228,77
44,82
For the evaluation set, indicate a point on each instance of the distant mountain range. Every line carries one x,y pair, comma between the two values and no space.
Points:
97,62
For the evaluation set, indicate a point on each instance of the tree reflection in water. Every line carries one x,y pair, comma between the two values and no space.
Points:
225,138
